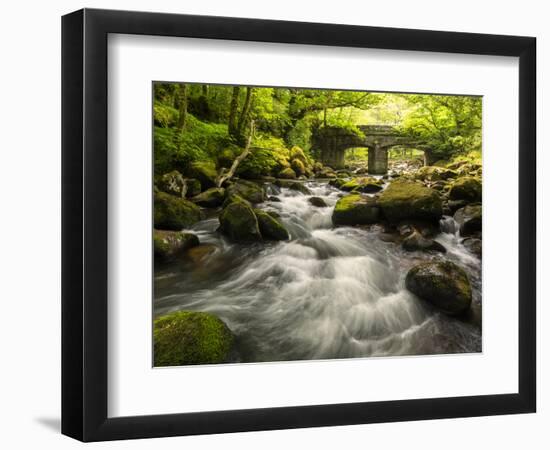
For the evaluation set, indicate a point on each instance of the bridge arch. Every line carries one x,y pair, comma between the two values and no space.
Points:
330,143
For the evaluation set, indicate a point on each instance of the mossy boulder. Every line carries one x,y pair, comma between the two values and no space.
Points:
172,183
287,174
416,242
205,172
271,228
469,219
174,213
317,202
326,172
185,337
434,173
367,185
298,167
239,223
410,200
211,198
337,182
355,209
466,188
300,187
170,244
443,284
297,153
248,190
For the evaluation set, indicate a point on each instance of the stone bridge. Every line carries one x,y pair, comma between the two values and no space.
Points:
330,143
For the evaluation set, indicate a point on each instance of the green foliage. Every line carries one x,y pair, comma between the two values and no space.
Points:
165,115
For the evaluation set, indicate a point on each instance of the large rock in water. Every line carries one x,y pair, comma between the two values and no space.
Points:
174,213
355,209
238,222
169,244
287,174
248,190
270,228
205,172
211,198
469,220
368,185
409,200
416,242
434,173
186,337
443,284
466,188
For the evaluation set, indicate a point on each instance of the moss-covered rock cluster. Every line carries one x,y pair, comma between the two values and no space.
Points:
185,338
410,200
174,213
241,223
356,209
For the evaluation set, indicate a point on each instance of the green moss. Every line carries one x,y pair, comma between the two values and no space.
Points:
355,209
169,244
263,162
270,227
211,198
205,172
362,184
410,200
174,213
248,190
287,174
466,188
298,167
185,337
239,223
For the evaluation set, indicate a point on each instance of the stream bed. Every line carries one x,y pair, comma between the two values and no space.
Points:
326,293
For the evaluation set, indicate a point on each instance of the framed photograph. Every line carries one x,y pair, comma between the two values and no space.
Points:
273,224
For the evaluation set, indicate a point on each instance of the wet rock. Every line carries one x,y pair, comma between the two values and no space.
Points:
466,188
248,190
317,201
454,205
473,245
298,167
174,213
337,182
186,337
326,172
300,187
273,198
238,222
287,174
434,173
410,200
356,209
169,244
211,198
416,242
205,172
201,253
443,284
469,219
367,185
270,228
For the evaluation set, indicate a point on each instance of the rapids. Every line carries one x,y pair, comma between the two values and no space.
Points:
327,293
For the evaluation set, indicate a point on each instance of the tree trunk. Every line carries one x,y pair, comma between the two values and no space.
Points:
223,177
232,124
244,112
182,99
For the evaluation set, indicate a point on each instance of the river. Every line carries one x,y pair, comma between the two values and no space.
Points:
327,293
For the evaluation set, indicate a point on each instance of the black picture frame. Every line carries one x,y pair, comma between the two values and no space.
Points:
84,224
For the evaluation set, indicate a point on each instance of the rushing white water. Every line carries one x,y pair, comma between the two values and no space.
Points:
326,293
